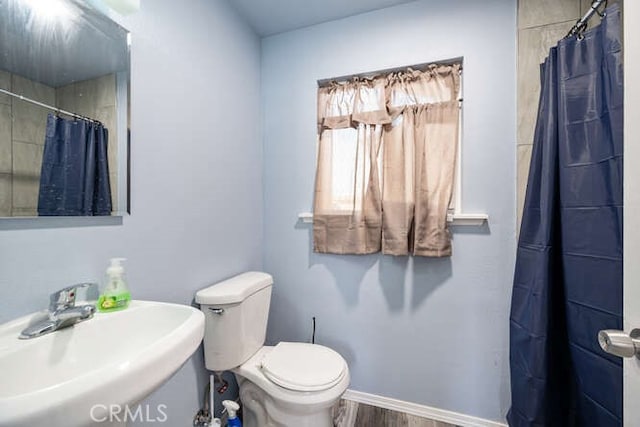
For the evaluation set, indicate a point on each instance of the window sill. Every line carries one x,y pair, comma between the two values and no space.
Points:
461,219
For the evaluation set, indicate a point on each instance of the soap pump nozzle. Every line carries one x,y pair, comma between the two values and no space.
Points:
115,268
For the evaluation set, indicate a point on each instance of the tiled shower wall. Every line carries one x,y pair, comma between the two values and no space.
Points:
541,24
5,147
22,130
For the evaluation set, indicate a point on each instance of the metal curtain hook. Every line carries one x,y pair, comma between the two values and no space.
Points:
603,13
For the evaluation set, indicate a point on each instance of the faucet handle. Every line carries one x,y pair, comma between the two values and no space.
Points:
66,297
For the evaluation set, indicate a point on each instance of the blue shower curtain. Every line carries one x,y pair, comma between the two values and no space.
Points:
74,179
568,277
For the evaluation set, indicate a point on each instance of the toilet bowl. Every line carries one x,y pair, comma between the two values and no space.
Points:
275,393
289,384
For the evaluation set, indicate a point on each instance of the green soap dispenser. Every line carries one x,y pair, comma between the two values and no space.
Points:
116,295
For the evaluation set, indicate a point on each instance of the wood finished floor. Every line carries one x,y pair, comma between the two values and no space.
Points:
352,414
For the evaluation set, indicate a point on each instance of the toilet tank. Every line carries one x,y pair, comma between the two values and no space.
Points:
236,312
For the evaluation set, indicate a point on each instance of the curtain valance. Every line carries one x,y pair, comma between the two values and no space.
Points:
381,99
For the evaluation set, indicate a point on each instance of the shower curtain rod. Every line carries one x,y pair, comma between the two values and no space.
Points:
581,25
57,110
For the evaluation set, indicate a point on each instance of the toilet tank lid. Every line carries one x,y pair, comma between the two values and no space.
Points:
235,289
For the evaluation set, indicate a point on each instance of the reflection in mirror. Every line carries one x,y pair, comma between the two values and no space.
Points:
64,110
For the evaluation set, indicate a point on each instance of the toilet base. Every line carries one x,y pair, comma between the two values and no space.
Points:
261,410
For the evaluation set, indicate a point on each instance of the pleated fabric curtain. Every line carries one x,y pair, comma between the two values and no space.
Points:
74,180
568,277
386,161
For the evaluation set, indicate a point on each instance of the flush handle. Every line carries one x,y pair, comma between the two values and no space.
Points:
218,311
619,343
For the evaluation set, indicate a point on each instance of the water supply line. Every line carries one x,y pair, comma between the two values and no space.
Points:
206,416
212,408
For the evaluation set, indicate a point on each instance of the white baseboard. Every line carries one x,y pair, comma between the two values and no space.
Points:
419,410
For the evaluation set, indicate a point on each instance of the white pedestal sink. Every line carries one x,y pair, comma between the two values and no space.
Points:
71,377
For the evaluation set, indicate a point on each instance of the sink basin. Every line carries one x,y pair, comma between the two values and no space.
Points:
69,376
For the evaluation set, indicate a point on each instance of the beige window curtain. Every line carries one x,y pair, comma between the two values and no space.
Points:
386,161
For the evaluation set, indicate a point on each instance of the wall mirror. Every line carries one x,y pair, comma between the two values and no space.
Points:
64,110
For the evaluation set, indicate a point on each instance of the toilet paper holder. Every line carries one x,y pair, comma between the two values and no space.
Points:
619,343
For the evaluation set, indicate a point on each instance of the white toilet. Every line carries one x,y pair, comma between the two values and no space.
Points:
290,384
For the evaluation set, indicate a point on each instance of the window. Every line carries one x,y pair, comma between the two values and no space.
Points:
387,154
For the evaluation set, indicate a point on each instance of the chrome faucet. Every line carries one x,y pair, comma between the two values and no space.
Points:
63,312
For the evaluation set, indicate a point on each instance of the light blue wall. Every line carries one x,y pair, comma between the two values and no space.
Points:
196,180
430,331
433,332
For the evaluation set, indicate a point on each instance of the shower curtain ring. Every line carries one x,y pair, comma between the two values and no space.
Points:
602,14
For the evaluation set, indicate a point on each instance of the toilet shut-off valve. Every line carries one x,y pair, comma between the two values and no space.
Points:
619,343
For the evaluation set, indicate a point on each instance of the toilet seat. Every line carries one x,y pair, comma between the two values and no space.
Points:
251,374
303,367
